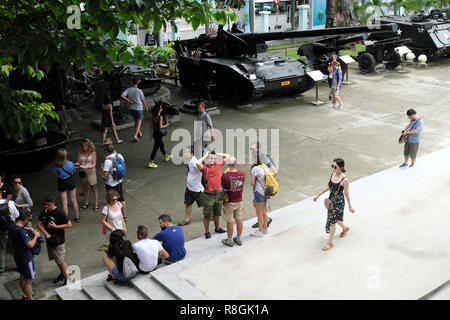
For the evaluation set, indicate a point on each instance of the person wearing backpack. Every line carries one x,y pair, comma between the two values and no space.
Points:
258,183
256,151
65,170
120,260
23,256
114,172
8,215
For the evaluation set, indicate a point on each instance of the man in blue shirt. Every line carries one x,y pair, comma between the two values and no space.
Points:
172,239
22,243
413,130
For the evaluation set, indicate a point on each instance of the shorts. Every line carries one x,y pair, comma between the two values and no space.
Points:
27,270
258,197
57,253
233,211
334,92
119,276
212,205
66,184
90,178
137,114
119,190
190,197
411,149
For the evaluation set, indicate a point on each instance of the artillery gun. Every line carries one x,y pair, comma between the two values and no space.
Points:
243,70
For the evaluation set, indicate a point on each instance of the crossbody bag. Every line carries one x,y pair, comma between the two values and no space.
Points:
404,138
329,204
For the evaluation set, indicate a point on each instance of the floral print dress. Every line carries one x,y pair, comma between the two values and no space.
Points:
337,196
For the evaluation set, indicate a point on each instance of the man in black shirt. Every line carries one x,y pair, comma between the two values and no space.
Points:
52,222
5,189
22,243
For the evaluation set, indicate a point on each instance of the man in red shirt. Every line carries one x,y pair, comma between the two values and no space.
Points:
212,195
233,184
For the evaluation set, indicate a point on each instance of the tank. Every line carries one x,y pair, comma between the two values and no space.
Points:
242,70
429,33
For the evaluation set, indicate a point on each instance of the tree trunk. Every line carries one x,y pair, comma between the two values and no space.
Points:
293,10
340,13
252,15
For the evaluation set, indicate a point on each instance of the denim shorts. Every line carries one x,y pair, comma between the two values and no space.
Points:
259,198
137,114
119,275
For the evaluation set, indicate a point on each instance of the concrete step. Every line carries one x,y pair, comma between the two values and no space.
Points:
440,293
64,293
4,293
77,293
150,289
124,291
178,287
95,288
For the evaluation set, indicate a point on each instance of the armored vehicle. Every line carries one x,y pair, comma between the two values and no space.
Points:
241,68
429,33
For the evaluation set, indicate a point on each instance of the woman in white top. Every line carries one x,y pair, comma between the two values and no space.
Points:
112,218
258,183
87,160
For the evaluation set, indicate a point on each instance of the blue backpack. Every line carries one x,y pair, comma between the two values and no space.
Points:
119,169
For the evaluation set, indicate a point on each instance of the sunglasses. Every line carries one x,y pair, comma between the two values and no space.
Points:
114,200
17,182
333,166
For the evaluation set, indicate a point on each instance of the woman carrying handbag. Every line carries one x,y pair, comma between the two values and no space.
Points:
339,191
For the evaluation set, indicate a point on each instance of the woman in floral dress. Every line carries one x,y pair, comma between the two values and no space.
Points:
339,191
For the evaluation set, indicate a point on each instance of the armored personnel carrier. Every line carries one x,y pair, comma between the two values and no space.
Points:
429,33
241,69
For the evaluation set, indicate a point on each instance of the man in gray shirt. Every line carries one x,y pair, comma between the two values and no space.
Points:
136,98
207,127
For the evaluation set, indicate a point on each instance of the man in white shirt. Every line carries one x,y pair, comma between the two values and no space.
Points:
111,183
148,251
136,98
194,187
13,214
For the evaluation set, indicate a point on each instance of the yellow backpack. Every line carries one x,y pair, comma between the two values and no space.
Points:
271,182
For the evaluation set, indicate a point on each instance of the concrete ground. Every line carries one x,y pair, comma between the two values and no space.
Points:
396,248
364,133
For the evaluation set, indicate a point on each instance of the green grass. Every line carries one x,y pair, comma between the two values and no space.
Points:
293,52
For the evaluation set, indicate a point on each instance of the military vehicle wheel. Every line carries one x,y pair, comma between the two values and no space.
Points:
393,59
304,61
366,63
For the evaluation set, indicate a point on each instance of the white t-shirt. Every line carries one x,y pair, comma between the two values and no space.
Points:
108,167
260,181
147,251
114,218
14,213
194,177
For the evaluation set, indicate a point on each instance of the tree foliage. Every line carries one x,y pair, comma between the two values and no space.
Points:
36,40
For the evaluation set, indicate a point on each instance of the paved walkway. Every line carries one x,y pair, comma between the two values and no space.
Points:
397,246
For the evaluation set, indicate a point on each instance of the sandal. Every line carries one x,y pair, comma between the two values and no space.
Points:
77,220
343,233
84,206
327,247
95,207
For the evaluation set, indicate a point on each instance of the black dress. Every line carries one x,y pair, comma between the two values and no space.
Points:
337,196
106,118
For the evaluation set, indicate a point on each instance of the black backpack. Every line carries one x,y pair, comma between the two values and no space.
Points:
5,216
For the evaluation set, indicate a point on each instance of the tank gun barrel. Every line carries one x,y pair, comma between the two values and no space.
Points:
279,35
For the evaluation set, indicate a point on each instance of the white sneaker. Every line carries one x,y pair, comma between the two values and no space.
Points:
332,107
340,106
265,231
257,233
